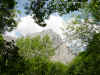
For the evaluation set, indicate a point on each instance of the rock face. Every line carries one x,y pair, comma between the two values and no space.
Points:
62,52
56,39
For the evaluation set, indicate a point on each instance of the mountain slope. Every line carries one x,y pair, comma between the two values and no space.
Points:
62,52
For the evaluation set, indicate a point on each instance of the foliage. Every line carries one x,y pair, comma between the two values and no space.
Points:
39,63
10,61
8,51
6,15
1,41
43,8
80,29
94,8
87,63
13,59
43,66
36,46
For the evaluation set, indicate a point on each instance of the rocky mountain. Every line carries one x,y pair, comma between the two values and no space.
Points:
62,52
55,38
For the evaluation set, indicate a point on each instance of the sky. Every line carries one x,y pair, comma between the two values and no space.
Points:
27,24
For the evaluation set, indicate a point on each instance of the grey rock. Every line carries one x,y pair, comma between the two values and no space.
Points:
62,52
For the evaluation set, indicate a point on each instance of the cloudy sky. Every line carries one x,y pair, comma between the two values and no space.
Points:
27,24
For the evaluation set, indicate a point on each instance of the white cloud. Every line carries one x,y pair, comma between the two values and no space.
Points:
28,26
55,23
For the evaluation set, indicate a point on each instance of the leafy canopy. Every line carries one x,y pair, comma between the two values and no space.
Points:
41,9
6,15
36,46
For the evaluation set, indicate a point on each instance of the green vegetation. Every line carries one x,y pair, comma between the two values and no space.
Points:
41,66
43,8
9,57
7,14
94,8
87,63
36,46
36,52
10,61
30,56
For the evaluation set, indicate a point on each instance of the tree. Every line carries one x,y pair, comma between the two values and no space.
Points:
80,29
6,15
10,61
41,9
34,47
86,63
94,8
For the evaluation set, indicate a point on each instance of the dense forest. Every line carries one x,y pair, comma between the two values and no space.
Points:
32,55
